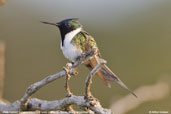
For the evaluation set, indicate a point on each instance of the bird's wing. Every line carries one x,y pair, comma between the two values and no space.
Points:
84,41
88,43
105,74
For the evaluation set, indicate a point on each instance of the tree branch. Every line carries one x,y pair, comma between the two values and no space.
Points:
88,80
43,105
36,86
36,104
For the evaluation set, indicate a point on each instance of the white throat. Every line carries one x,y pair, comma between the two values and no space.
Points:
69,50
69,36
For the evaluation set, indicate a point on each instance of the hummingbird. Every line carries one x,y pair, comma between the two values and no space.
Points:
75,41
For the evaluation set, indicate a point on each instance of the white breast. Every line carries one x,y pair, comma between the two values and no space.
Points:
69,50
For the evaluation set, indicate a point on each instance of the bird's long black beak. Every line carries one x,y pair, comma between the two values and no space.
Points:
55,24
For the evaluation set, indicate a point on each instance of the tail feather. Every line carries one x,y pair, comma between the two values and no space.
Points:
106,75
110,76
91,64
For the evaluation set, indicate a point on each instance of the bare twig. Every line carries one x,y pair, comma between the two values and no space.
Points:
87,95
66,68
68,92
36,86
36,104
88,80
43,105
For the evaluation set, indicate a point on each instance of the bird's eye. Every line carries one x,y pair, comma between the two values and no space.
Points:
67,24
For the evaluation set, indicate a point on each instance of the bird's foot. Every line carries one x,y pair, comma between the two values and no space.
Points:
75,73
83,54
91,100
68,94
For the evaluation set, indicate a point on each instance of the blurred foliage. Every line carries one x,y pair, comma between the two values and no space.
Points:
2,2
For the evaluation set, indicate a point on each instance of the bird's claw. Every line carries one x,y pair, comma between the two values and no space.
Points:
68,94
66,68
92,100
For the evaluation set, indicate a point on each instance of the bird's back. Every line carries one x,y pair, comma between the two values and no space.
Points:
84,41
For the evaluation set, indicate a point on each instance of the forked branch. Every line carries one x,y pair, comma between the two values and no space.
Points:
84,102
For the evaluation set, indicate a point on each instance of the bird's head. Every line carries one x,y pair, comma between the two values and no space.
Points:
67,25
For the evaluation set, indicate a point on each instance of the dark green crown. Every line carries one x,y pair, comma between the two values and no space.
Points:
72,23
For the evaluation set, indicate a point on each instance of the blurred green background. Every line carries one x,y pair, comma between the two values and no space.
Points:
133,36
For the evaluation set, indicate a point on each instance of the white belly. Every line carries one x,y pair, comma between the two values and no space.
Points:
69,50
